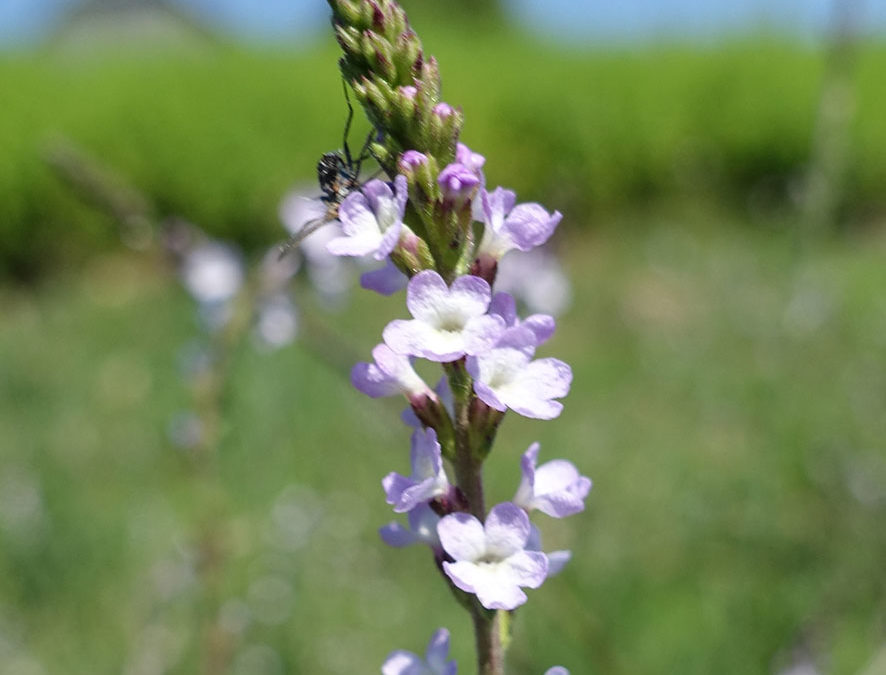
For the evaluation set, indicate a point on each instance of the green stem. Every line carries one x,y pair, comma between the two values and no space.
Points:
489,633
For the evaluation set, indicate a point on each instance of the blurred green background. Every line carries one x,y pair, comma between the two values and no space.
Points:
724,232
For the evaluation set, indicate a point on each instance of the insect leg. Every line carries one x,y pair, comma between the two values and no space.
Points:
347,123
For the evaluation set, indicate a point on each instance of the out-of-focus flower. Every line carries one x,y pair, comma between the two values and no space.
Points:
277,322
422,529
386,281
436,661
536,279
212,272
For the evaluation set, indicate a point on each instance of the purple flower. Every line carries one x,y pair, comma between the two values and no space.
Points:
386,280
212,272
555,488
536,279
542,325
556,559
428,479
470,159
411,160
371,220
391,374
401,662
509,227
491,560
458,185
507,377
557,670
449,321
422,529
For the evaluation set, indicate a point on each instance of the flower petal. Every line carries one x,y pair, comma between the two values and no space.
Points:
462,536
529,225
425,292
394,534
507,529
402,662
386,281
526,568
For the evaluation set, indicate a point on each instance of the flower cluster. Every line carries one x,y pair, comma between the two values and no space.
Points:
488,356
440,231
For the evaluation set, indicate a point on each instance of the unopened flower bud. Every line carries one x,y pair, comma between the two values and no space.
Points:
443,110
458,185
411,160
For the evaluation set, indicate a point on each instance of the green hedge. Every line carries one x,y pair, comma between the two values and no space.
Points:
218,134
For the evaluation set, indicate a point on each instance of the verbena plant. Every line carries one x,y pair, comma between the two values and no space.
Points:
442,233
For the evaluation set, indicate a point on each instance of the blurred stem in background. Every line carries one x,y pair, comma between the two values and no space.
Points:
142,229
830,160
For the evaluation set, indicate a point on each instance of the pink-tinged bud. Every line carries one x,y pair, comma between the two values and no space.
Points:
407,91
443,110
458,185
411,160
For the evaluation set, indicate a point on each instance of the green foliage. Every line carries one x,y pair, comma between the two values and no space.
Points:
218,135
727,402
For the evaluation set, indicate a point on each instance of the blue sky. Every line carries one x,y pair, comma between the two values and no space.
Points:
573,20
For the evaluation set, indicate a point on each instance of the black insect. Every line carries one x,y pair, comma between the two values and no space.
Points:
338,173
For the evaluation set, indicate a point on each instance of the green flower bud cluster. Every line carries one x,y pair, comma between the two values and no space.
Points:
397,86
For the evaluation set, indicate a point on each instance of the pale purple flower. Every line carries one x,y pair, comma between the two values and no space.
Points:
556,559
296,210
449,321
536,279
212,272
277,322
371,219
509,227
386,280
428,479
391,374
542,325
470,159
505,376
555,488
458,184
490,560
436,661
557,670
422,529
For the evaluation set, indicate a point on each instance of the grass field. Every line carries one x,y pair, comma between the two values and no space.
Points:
728,403
218,133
